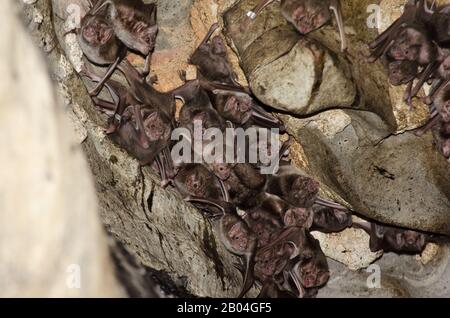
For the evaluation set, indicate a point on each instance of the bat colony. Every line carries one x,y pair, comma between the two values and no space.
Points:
265,219
416,50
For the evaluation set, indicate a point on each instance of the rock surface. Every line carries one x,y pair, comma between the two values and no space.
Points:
271,55
52,241
399,179
349,247
398,276
159,227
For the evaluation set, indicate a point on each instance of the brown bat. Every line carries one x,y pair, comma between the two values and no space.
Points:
212,61
305,15
146,93
241,109
99,44
415,12
391,239
311,270
197,106
243,184
236,236
403,73
329,220
413,43
142,130
270,262
293,186
195,180
286,213
264,222
134,24
307,264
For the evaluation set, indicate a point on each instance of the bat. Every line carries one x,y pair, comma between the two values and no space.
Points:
134,24
99,44
212,61
305,15
329,220
236,236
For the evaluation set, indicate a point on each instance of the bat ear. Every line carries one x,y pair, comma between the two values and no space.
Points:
309,222
378,230
229,104
399,239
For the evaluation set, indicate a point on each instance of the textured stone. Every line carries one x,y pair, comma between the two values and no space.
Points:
395,179
52,241
277,59
349,247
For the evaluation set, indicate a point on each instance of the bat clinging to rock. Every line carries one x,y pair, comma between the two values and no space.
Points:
134,23
100,45
196,181
305,15
329,220
236,236
391,239
212,61
293,186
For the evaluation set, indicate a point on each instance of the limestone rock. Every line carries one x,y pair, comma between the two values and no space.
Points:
349,247
53,243
277,59
399,179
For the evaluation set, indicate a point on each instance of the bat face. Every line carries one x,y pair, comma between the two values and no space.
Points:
314,273
304,192
313,267
402,72
264,224
263,232
238,236
97,31
135,24
306,15
269,263
157,127
413,45
238,109
300,217
195,180
407,241
222,170
404,47
265,265
217,46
